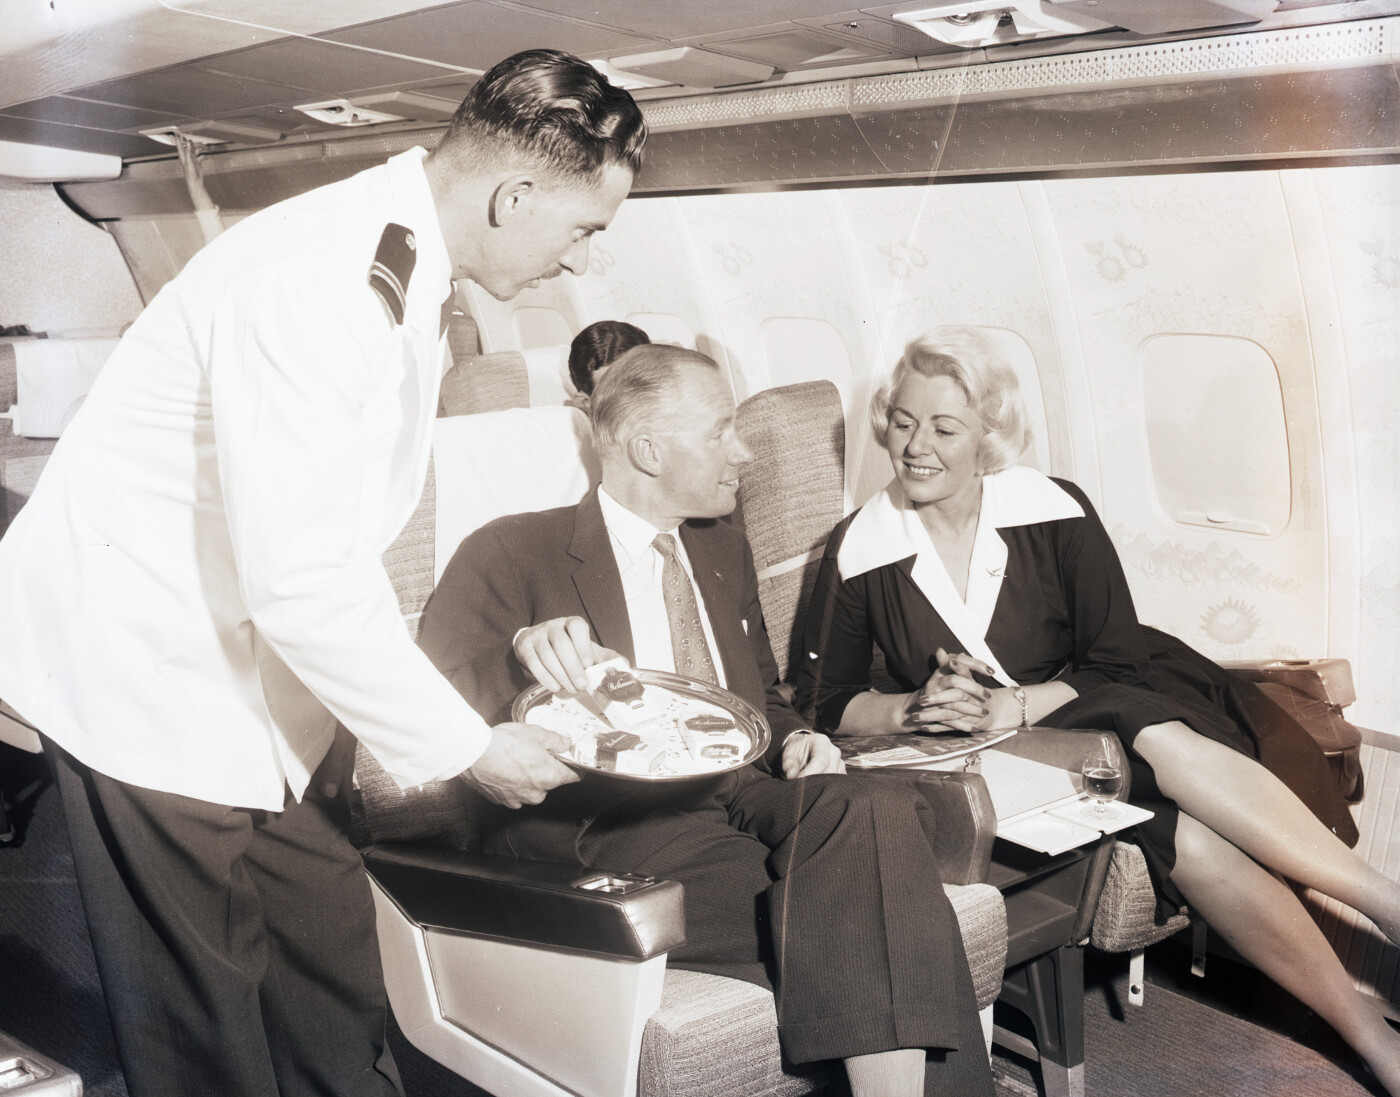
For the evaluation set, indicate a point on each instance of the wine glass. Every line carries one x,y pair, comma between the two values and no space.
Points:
1103,780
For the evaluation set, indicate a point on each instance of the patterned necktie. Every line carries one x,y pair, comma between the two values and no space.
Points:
692,653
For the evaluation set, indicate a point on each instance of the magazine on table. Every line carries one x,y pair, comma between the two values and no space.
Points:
916,748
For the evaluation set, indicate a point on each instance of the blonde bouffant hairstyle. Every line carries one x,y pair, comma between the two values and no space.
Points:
967,357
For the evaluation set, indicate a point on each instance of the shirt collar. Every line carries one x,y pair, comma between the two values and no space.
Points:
633,533
888,530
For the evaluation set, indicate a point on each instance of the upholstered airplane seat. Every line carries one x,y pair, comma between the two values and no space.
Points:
504,983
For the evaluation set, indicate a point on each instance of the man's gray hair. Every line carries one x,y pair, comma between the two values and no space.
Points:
634,390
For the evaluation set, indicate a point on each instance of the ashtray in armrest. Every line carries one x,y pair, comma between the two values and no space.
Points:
536,902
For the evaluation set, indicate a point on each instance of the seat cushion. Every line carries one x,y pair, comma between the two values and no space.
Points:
715,1035
981,915
1125,918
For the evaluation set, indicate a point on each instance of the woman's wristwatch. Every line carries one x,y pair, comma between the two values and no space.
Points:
1020,695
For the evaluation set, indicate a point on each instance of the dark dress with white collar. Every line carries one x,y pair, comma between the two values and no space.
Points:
1063,612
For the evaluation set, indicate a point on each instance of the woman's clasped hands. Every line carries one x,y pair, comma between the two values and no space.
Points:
952,699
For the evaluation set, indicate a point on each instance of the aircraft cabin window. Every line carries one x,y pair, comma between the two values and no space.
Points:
800,349
662,327
1215,432
537,327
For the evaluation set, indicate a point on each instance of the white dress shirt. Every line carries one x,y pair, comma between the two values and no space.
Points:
640,565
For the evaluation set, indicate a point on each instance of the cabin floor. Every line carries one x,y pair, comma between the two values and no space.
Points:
1232,1034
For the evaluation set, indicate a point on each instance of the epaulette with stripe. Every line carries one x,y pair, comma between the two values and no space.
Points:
392,268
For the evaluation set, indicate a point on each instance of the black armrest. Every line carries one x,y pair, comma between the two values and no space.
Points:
562,906
966,821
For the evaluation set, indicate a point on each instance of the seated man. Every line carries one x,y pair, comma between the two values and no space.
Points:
821,885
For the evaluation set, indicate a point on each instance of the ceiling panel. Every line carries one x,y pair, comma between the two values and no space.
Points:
455,90
477,34
31,132
793,47
283,120
190,93
328,69
80,112
899,38
672,19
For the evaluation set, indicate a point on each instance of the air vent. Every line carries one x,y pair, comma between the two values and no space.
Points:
342,112
973,24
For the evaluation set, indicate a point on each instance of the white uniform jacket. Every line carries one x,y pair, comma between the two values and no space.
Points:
195,592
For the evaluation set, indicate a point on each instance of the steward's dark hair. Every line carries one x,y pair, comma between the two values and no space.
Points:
598,345
553,110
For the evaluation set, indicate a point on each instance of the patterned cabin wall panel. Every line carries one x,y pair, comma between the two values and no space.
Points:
765,256
644,263
1204,254
953,254
956,254
59,273
1361,213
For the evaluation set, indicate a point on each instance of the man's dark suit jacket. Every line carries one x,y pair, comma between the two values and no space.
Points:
525,569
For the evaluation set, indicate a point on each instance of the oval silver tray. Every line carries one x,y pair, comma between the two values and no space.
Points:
751,722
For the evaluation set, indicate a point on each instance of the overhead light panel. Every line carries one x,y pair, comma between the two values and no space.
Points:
692,68
166,135
342,112
46,164
411,105
629,81
973,24
1169,16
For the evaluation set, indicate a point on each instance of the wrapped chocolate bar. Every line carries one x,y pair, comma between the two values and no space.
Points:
620,697
643,725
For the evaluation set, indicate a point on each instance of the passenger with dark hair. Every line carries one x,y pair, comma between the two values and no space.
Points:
797,877
998,601
195,594
594,349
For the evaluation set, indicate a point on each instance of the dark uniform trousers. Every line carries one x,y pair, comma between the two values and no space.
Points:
236,947
824,889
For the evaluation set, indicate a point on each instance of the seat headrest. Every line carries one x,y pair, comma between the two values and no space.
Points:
507,462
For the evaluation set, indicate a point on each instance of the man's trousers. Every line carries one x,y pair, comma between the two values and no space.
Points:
824,889
236,947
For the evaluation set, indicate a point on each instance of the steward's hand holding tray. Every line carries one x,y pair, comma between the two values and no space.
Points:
648,725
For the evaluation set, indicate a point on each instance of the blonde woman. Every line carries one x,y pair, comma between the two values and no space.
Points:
998,601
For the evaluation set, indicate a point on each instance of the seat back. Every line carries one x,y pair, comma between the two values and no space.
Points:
814,462
792,493
479,383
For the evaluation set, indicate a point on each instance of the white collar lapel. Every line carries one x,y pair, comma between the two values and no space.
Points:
888,530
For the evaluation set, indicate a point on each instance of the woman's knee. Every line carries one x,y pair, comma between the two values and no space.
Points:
1203,857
